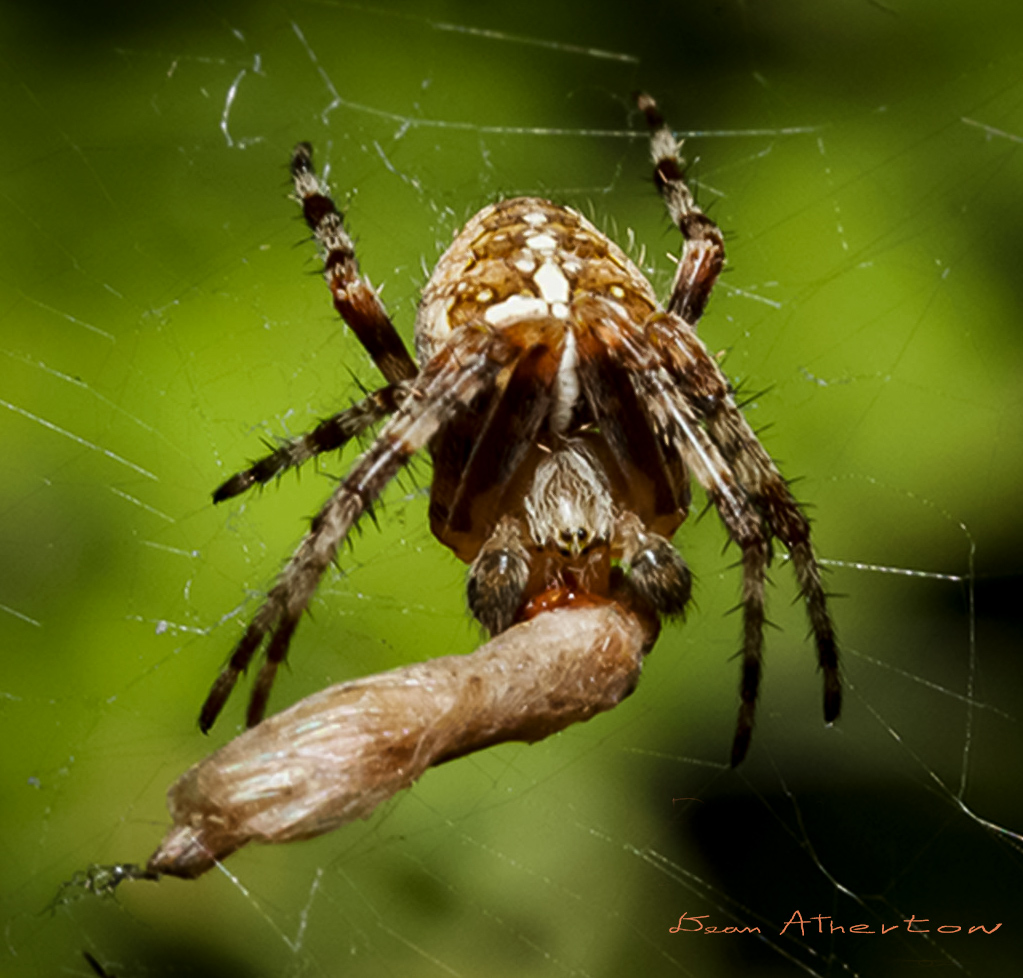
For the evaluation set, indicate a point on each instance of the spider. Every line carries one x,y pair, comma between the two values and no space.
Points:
564,408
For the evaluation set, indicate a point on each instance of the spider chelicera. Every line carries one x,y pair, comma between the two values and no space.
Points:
563,407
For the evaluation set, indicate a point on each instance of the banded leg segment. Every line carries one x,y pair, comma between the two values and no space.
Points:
703,256
354,298
771,497
700,381
462,370
746,526
330,434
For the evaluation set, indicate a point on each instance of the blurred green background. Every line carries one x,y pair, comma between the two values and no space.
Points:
161,315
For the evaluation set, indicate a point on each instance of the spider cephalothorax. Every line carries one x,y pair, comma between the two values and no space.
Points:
564,408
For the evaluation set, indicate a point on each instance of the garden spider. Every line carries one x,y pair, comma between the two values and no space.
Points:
563,408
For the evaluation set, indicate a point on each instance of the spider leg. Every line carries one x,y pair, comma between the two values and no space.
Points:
681,426
497,576
656,569
505,436
698,386
464,368
330,434
611,395
771,497
703,256
354,298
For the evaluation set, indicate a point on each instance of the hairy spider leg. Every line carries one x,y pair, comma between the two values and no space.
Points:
329,435
767,496
678,423
647,465
618,411
354,298
703,256
701,382
465,367
472,466
360,307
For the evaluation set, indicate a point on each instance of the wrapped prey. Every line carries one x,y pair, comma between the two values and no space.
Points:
336,755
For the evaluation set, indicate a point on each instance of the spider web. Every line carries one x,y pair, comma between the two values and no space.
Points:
865,166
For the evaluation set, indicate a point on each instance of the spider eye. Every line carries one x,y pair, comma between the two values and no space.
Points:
573,540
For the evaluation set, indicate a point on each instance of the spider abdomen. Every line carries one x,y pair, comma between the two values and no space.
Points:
527,259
